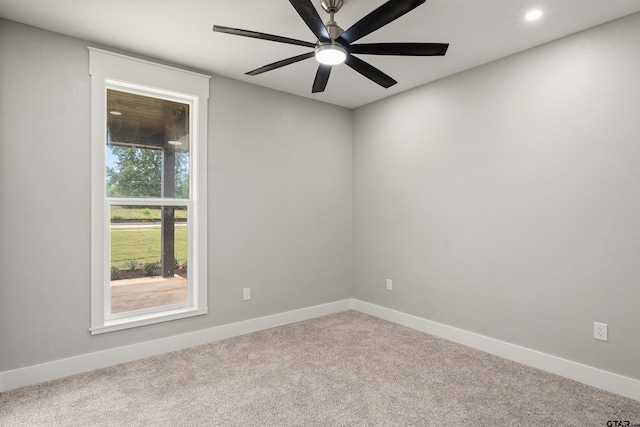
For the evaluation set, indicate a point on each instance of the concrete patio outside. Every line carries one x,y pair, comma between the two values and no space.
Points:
147,292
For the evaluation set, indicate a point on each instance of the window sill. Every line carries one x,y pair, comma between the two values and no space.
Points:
147,319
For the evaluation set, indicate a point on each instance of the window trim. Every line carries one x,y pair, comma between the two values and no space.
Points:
127,73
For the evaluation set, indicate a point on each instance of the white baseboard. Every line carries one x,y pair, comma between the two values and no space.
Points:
614,383
36,374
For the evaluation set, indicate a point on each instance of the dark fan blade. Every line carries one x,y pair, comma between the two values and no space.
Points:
369,71
310,16
401,49
380,17
282,63
322,77
262,36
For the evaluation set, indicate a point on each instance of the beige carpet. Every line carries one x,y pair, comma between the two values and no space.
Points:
347,369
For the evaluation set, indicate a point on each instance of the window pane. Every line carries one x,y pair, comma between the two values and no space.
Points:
149,254
147,146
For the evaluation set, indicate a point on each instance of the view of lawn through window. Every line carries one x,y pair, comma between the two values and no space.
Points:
136,239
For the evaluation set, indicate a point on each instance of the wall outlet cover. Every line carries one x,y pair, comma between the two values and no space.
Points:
600,331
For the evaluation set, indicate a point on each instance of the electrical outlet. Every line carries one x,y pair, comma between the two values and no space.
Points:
246,294
600,331
389,285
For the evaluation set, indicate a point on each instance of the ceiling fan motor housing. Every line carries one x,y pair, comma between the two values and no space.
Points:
334,30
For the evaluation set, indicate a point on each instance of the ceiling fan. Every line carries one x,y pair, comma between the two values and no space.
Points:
334,45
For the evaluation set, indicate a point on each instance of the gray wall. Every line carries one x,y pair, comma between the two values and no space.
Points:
279,203
505,200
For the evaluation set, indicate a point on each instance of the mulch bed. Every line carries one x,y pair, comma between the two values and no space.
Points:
138,272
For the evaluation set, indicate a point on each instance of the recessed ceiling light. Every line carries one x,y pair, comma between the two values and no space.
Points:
533,15
115,113
175,142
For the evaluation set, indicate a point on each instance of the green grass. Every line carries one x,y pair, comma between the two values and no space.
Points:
147,213
143,244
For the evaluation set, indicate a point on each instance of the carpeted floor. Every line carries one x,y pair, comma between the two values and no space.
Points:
346,369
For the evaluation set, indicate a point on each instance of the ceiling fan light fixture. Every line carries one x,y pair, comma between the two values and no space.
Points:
331,53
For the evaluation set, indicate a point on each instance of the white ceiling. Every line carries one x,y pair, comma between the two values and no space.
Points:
180,31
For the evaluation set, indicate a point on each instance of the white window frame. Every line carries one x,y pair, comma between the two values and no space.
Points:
120,72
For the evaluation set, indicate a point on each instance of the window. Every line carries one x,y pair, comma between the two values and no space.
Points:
149,130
